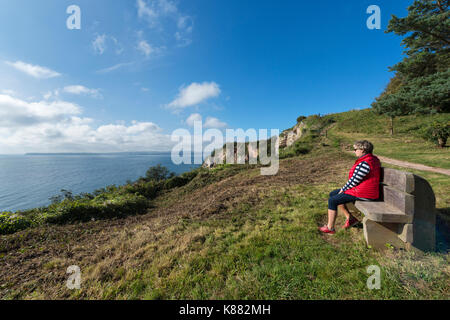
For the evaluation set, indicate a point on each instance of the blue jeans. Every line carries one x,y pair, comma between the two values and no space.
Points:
337,198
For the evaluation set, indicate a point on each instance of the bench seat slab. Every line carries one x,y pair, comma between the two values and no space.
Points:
381,212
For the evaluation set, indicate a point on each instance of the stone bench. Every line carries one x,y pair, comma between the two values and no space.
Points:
405,215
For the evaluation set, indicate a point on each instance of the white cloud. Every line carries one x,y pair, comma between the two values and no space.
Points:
34,70
51,94
185,26
212,122
78,90
145,48
167,7
59,127
182,40
194,94
115,67
121,134
118,45
16,113
144,11
48,95
185,23
8,92
192,118
156,10
99,44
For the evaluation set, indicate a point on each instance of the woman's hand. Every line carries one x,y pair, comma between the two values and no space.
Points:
340,191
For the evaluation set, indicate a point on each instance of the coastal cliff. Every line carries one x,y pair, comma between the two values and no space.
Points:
286,139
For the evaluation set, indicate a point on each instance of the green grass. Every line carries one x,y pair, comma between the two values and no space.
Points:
273,251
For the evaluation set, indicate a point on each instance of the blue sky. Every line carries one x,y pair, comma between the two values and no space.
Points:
139,69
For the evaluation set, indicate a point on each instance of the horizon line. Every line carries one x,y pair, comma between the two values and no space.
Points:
82,153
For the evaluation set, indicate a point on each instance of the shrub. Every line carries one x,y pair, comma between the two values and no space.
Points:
302,148
300,119
437,132
286,153
148,189
70,211
191,174
328,120
10,222
158,173
103,206
298,148
98,208
175,182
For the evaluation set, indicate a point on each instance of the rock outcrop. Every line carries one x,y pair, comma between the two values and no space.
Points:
288,137
220,155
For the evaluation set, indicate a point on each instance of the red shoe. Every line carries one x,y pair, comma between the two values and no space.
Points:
350,223
325,229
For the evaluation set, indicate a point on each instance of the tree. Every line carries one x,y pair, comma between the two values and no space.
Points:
389,103
158,173
427,27
422,79
428,94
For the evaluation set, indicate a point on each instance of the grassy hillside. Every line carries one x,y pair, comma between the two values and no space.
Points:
231,233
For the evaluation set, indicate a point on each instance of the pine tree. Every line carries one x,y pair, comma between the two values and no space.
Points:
422,79
427,44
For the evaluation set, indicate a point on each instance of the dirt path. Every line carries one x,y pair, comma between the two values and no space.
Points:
411,165
395,162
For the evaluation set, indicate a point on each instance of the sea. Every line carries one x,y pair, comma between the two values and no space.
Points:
28,181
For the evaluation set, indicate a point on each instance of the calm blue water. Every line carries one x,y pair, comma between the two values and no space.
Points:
27,181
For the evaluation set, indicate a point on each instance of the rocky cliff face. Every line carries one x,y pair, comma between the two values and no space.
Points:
287,138
221,156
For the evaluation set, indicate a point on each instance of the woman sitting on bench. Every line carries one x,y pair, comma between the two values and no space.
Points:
363,184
